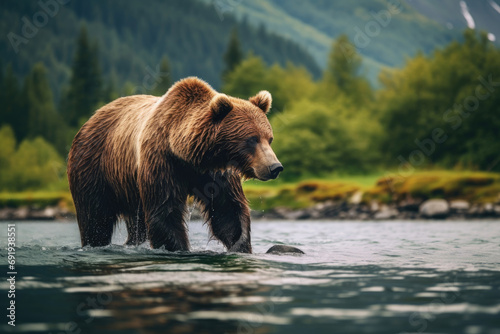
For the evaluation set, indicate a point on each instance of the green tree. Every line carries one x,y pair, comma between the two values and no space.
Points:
37,165
8,141
247,79
233,55
110,91
42,119
34,165
287,84
163,81
452,92
313,139
342,75
40,102
85,88
14,111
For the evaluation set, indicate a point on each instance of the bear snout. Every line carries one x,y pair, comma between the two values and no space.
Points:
275,170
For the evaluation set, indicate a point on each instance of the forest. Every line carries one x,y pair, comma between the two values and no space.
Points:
439,111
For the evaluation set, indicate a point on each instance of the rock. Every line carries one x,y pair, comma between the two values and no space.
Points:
364,216
488,208
356,198
353,214
485,210
21,213
374,206
289,214
6,213
435,208
475,210
459,206
385,213
328,209
283,249
409,205
49,213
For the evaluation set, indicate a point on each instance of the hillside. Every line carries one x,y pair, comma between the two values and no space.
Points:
457,14
133,37
420,25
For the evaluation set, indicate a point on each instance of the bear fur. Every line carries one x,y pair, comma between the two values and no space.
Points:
140,157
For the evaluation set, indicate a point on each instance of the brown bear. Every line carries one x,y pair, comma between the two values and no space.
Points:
140,157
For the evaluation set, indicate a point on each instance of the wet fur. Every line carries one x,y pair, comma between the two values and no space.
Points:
140,157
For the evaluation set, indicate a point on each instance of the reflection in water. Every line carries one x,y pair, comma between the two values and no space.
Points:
353,278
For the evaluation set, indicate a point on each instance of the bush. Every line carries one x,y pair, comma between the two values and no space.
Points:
315,139
35,164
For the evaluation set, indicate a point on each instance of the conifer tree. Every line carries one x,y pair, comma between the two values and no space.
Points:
39,99
2,93
342,73
163,80
233,55
85,88
39,116
14,110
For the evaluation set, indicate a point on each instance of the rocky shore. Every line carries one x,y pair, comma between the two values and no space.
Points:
334,210
430,209
34,213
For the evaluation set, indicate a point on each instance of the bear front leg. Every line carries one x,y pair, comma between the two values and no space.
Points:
225,208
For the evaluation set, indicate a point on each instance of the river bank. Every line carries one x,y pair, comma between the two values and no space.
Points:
332,210
426,195
431,209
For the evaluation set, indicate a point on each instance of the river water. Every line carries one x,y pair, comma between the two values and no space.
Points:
356,277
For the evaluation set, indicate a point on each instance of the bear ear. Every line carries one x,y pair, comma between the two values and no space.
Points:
262,100
220,106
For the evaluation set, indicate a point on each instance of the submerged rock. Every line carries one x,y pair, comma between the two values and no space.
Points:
283,249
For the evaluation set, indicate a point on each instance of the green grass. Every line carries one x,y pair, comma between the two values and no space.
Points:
38,199
475,187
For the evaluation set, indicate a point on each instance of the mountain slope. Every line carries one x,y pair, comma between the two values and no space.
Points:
482,15
419,25
133,36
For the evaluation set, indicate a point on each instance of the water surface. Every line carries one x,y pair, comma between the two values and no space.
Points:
356,277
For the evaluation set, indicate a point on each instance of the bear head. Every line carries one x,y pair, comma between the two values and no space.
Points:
220,132
245,135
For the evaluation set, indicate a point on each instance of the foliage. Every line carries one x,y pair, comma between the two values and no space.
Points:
316,133
133,36
233,55
163,80
342,75
315,139
13,103
285,84
313,25
84,91
476,187
441,108
38,199
444,109
35,164
43,120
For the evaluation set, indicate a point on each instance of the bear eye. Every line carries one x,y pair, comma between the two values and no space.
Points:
252,141
271,140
